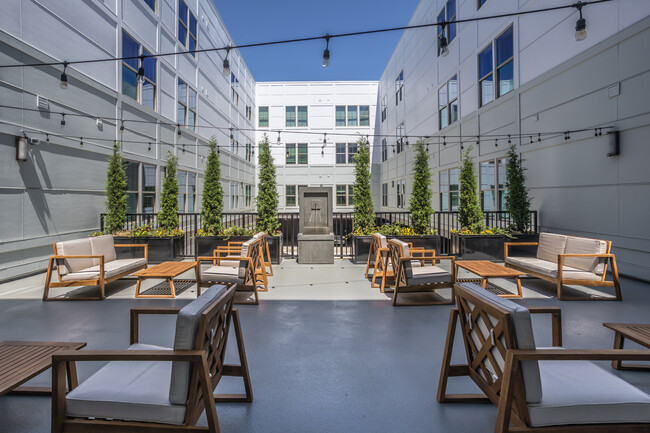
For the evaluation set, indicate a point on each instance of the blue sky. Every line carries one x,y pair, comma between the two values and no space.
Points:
352,58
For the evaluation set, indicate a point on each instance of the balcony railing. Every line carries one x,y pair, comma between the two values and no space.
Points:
442,222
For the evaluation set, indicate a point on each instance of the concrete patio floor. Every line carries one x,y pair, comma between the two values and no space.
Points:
326,352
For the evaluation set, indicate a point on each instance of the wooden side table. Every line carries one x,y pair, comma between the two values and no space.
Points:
487,269
639,333
166,270
20,361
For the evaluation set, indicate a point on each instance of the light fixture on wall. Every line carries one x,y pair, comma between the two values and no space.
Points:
226,62
64,76
444,46
614,143
326,53
581,24
140,76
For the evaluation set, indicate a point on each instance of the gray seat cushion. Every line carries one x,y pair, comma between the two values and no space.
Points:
550,245
111,269
524,335
104,246
429,275
585,246
580,392
221,274
245,253
76,247
187,327
128,391
545,267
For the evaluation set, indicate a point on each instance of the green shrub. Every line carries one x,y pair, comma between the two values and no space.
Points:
517,199
168,215
420,204
267,193
364,213
115,192
212,197
470,215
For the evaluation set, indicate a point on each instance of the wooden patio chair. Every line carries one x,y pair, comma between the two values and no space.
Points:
234,249
169,388
553,395
265,256
411,278
224,272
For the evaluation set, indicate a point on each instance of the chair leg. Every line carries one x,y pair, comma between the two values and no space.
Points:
617,284
559,290
240,370
48,278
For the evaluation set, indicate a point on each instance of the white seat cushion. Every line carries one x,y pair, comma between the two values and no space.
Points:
76,247
429,275
550,245
580,392
103,246
221,274
585,246
545,267
128,391
110,270
245,253
524,334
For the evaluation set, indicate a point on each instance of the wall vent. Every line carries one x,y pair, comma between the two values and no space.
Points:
42,103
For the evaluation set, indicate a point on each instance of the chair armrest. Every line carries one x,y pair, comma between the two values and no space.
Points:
81,256
135,319
506,246
204,259
219,259
127,355
607,256
145,246
580,354
235,243
556,321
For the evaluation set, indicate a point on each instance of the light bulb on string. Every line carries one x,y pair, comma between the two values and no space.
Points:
62,119
178,129
444,46
226,62
326,53
581,24
122,127
140,76
64,76
279,142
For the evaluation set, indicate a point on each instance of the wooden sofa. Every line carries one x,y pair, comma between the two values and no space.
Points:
573,260
89,262
537,389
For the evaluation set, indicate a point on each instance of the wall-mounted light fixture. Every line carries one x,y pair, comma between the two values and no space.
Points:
614,143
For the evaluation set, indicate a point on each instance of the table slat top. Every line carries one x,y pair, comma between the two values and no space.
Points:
637,332
486,269
165,270
22,360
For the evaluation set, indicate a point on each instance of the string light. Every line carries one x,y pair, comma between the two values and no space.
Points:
140,76
444,140
226,62
539,137
122,127
531,139
62,119
509,140
178,129
81,141
325,139
326,53
149,148
581,24
407,141
64,76
279,142
444,48
496,142
47,137
478,140
232,137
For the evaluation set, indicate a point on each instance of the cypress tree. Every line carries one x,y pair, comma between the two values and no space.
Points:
470,215
267,193
517,199
168,215
212,197
364,214
420,204
115,192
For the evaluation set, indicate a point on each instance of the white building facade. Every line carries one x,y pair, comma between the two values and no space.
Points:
320,124
524,76
57,193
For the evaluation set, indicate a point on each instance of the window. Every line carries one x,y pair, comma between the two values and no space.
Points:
401,189
290,195
480,3
142,91
249,151
149,188
234,89
352,115
399,132
234,195
448,103
384,108
487,175
502,167
249,112
340,115
132,186
399,88
344,195
350,195
449,189
263,117
384,150
384,194
151,4
300,150
186,191
186,105
501,61
364,115
302,115
248,195
447,14
504,63
485,76
290,118
345,153
186,27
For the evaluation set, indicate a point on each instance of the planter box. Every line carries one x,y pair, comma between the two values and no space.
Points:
361,245
477,247
161,249
205,245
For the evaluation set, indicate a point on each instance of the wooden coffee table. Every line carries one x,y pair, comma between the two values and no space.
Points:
487,269
20,361
639,333
166,270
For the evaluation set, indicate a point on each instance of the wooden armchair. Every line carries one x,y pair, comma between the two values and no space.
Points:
261,272
411,278
154,396
550,396
265,254
223,271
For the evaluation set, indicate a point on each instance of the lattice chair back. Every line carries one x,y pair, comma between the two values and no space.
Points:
399,249
491,325
250,248
211,337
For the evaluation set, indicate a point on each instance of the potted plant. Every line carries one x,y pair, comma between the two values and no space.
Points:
209,236
518,203
364,215
165,242
267,202
474,241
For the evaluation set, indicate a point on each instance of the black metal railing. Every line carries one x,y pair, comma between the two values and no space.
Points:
442,222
